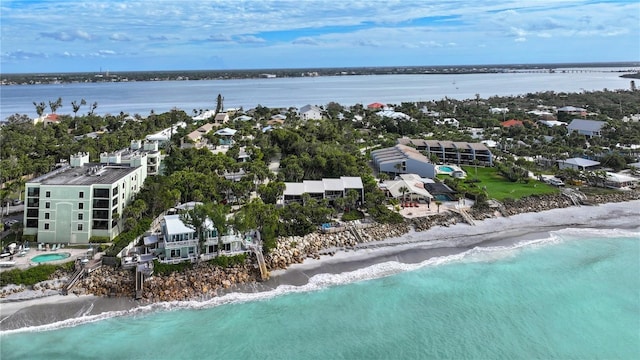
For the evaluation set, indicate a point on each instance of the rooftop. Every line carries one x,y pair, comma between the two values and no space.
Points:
88,174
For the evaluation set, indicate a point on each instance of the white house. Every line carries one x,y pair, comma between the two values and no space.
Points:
179,242
310,112
323,189
585,127
577,164
447,121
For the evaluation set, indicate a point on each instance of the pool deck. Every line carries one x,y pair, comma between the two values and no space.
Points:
24,262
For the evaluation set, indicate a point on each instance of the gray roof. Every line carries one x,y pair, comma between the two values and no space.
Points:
587,125
580,162
320,186
85,175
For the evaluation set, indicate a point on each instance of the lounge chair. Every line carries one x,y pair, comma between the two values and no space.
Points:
54,247
40,247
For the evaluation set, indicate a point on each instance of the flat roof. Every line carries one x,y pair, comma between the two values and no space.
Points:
83,175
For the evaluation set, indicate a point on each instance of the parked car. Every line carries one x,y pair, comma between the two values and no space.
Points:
16,202
556,182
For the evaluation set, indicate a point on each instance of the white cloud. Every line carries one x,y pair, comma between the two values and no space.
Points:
119,37
249,39
520,39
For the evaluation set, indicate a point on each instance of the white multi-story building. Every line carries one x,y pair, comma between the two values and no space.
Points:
179,242
82,200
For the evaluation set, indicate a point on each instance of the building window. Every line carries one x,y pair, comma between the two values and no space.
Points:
48,194
47,205
46,216
46,226
33,191
79,227
80,206
81,194
79,216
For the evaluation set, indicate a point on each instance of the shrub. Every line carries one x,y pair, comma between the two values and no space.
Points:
99,239
166,269
382,214
352,215
32,275
228,261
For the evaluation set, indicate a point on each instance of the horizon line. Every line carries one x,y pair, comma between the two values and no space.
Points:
512,65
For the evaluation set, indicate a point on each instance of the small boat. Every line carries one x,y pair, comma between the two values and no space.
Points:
7,263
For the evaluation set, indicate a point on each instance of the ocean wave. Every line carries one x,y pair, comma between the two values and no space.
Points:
326,280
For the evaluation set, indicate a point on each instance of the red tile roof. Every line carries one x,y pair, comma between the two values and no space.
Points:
511,122
376,105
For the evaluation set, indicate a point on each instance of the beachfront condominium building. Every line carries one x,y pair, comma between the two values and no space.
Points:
83,200
329,189
452,152
402,159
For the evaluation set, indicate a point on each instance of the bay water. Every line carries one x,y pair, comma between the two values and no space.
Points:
162,96
574,294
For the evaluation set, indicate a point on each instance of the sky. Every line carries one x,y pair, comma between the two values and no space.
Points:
147,35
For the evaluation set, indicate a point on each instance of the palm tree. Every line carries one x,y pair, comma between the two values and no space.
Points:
403,190
76,106
438,203
54,105
40,107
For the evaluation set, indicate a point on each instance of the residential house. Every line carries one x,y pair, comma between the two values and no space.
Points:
221,119
226,136
497,110
310,112
552,123
179,242
572,110
585,127
243,118
323,189
511,123
391,114
458,152
447,121
376,106
402,159
579,164
619,181
206,115
277,119
407,187
196,138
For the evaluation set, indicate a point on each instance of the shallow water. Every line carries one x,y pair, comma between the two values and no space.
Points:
574,294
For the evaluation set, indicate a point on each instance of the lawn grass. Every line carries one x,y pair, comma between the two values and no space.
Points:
500,188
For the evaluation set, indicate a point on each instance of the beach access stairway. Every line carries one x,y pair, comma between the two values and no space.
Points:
262,265
465,215
355,233
577,197
256,248
81,271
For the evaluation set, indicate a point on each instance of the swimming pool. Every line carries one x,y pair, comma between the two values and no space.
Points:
50,257
442,197
446,169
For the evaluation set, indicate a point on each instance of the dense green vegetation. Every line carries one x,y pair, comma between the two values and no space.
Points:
338,145
33,274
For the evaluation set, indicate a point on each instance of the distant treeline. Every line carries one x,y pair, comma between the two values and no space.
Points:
123,76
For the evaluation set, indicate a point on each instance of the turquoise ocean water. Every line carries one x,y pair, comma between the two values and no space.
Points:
573,295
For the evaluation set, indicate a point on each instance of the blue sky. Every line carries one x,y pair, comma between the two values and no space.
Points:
78,36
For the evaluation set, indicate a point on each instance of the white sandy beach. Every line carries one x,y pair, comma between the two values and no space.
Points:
409,248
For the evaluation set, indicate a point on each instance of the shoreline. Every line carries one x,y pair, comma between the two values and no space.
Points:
411,247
